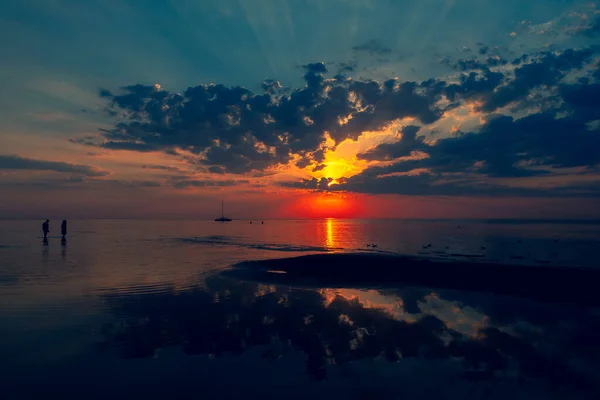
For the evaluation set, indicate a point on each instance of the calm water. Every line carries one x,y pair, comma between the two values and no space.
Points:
131,309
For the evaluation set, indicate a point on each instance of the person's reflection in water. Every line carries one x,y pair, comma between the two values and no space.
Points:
63,248
45,251
63,240
46,229
63,229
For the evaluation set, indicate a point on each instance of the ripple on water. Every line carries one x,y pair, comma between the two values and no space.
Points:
233,241
132,290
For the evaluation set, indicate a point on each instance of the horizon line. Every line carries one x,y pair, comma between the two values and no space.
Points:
590,221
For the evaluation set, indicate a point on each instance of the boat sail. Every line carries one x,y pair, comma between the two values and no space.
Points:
223,218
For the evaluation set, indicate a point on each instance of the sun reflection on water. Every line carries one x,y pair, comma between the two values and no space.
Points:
329,236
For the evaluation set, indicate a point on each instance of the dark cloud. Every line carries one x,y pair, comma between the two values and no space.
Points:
547,70
402,148
504,147
469,64
593,30
51,185
319,167
270,86
147,184
135,183
346,67
233,130
475,85
475,63
115,144
583,100
129,146
314,184
188,183
503,143
303,162
237,131
497,89
424,184
317,68
22,163
373,47
215,169
160,167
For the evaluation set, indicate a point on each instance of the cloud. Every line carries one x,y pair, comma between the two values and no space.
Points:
161,167
497,89
425,184
509,147
473,86
476,63
237,131
314,184
549,125
129,146
594,29
270,86
582,99
561,134
22,163
190,183
316,68
135,183
402,148
545,70
344,67
467,166
373,47
175,181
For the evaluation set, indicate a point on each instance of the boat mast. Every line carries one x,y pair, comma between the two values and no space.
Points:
222,206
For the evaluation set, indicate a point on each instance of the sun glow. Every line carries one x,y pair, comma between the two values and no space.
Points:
330,205
340,168
343,161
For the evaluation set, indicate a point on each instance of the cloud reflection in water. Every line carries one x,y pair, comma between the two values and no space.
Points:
483,337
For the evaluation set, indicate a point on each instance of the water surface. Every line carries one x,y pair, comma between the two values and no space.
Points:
132,308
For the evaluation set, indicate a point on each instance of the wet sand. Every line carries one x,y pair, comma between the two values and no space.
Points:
549,283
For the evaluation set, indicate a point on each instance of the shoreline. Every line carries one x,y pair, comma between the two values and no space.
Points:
542,282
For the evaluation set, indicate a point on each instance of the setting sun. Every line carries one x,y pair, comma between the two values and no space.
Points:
315,205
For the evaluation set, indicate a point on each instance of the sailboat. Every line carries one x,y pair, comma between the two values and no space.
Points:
222,218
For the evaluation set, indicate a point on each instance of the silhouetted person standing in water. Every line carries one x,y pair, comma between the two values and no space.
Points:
46,229
63,228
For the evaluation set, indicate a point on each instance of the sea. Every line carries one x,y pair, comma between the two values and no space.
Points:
147,309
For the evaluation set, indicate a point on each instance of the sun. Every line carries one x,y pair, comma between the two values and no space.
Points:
326,205
329,203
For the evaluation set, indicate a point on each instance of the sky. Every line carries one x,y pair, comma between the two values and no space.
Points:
300,109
